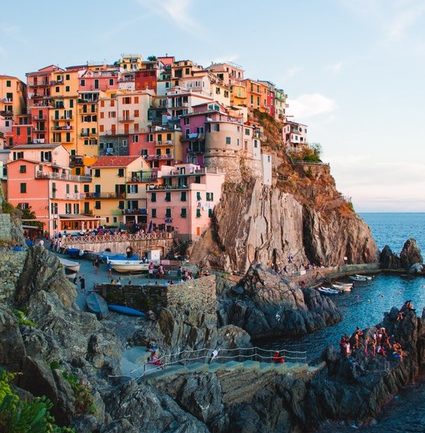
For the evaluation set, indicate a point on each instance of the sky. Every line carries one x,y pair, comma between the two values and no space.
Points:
354,70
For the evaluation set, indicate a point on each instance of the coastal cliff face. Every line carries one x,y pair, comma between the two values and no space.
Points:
257,223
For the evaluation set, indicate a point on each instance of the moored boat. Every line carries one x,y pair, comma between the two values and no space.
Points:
328,291
360,278
343,287
69,265
128,266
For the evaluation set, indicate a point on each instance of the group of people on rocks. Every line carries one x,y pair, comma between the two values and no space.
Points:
376,343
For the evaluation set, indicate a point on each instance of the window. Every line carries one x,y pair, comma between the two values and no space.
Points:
86,188
120,172
153,213
216,127
197,179
67,188
18,131
97,205
54,208
8,83
120,205
76,208
210,213
82,83
23,188
111,81
198,213
22,169
76,189
115,219
96,172
67,208
168,196
136,113
86,207
183,196
67,77
183,212
57,89
228,140
198,196
67,88
153,197
168,212
247,131
210,196
186,121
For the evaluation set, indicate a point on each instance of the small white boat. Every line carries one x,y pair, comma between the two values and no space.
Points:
328,291
69,265
360,278
127,266
342,287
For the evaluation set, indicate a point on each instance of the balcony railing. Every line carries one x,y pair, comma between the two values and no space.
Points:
143,179
125,119
6,100
140,211
61,176
105,194
167,156
62,128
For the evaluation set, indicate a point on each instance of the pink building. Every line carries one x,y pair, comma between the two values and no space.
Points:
186,200
294,136
39,177
96,78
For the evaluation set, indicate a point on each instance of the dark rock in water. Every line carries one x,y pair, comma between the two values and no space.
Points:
416,268
389,260
271,306
410,254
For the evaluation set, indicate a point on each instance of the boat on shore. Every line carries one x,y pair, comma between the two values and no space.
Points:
69,265
342,287
128,266
122,309
328,291
96,304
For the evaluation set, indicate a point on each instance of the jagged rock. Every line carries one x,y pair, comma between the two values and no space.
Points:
150,410
43,271
232,337
39,379
270,306
416,268
12,349
389,260
410,254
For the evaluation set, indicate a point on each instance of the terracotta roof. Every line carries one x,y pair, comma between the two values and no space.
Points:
114,161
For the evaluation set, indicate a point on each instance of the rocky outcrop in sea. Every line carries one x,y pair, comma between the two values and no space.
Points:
410,258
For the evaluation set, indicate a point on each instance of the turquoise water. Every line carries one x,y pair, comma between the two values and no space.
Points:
365,306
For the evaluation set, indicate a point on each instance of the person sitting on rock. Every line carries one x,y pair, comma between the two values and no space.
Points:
154,360
278,358
380,350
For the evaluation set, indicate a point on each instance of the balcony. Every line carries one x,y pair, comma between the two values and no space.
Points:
125,119
140,211
6,113
105,194
62,128
76,161
163,143
167,157
6,100
143,179
62,176
88,134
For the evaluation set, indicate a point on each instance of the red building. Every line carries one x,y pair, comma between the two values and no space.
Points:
22,130
146,79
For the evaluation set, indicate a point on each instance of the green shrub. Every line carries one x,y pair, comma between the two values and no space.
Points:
19,416
84,402
23,319
6,207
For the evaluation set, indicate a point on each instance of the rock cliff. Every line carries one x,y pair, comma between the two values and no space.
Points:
410,257
258,223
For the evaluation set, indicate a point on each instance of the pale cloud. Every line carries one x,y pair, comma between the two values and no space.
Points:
311,105
334,68
176,11
394,18
291,72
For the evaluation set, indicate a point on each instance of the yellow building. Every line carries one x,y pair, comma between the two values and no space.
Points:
106,195
131,63
63,114
87,122
12,95
238,94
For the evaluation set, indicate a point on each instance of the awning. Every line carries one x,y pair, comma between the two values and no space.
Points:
78,218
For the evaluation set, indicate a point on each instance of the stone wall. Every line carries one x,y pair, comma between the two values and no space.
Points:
200,295
11,265
142,298
5,228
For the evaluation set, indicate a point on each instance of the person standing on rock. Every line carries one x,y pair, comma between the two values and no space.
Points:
214,355
83,284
